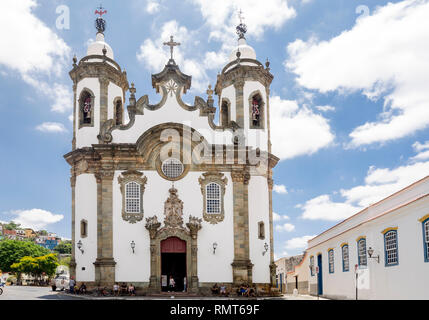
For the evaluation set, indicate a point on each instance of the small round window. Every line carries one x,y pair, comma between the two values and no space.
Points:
172,168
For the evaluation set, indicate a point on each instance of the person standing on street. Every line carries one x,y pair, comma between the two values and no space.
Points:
71,284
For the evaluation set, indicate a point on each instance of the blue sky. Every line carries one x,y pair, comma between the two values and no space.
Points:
349,100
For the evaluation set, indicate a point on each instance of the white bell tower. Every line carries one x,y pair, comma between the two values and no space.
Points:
99,87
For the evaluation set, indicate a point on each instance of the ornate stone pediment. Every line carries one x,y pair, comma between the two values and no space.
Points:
173,220
173,210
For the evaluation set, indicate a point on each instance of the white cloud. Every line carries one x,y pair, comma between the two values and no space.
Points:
379,184
325,108
278,217
280,188
422,149
33,50
152,7
390,63
36,219
53,127
323,208
222,15
298,243
297,131
288,227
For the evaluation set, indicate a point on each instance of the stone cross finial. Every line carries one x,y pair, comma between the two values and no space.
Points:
171,44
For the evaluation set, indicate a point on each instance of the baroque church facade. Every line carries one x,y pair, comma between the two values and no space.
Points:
168,192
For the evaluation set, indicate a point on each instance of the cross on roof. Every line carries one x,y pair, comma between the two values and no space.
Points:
171,44
100,12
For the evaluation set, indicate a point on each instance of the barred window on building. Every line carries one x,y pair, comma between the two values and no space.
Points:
331,261
346,262
312,265
213,199
391,247
132,197
362,260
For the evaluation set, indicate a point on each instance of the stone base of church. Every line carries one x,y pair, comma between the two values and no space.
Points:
105,271
242,272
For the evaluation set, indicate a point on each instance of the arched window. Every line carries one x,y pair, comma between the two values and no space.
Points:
361,244
86,109
83,228
425,224
224,113
391,248
213,198
118,112
346,260
331,260
132,197
261,230
256,120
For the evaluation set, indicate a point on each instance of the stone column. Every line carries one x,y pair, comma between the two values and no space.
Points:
104,85
241,266
194,226
104,264
239,102
154,280
74,117
73,259
272,264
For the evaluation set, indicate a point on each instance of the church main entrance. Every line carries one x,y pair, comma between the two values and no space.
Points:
173,264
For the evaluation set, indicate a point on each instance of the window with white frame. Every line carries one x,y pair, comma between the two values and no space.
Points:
391,247
331,260
426,238
346,262
312,265
213,199
132,197
362,260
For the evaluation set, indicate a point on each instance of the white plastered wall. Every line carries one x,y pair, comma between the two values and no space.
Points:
259,211
136,267
86,208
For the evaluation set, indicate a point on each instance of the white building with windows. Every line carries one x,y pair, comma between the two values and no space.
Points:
167,191
382,252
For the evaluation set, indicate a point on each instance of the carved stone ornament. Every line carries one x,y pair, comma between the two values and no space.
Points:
173,210
124,179
194,225
219,179
152,225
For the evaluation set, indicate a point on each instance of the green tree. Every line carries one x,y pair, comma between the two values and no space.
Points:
47,264
64,247
11,225
11,251
36,266
43,232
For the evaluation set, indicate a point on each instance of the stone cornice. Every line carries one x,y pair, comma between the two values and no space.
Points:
242,73
99,69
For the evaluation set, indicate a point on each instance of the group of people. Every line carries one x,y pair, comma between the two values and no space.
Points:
246,291
220,290
117,289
